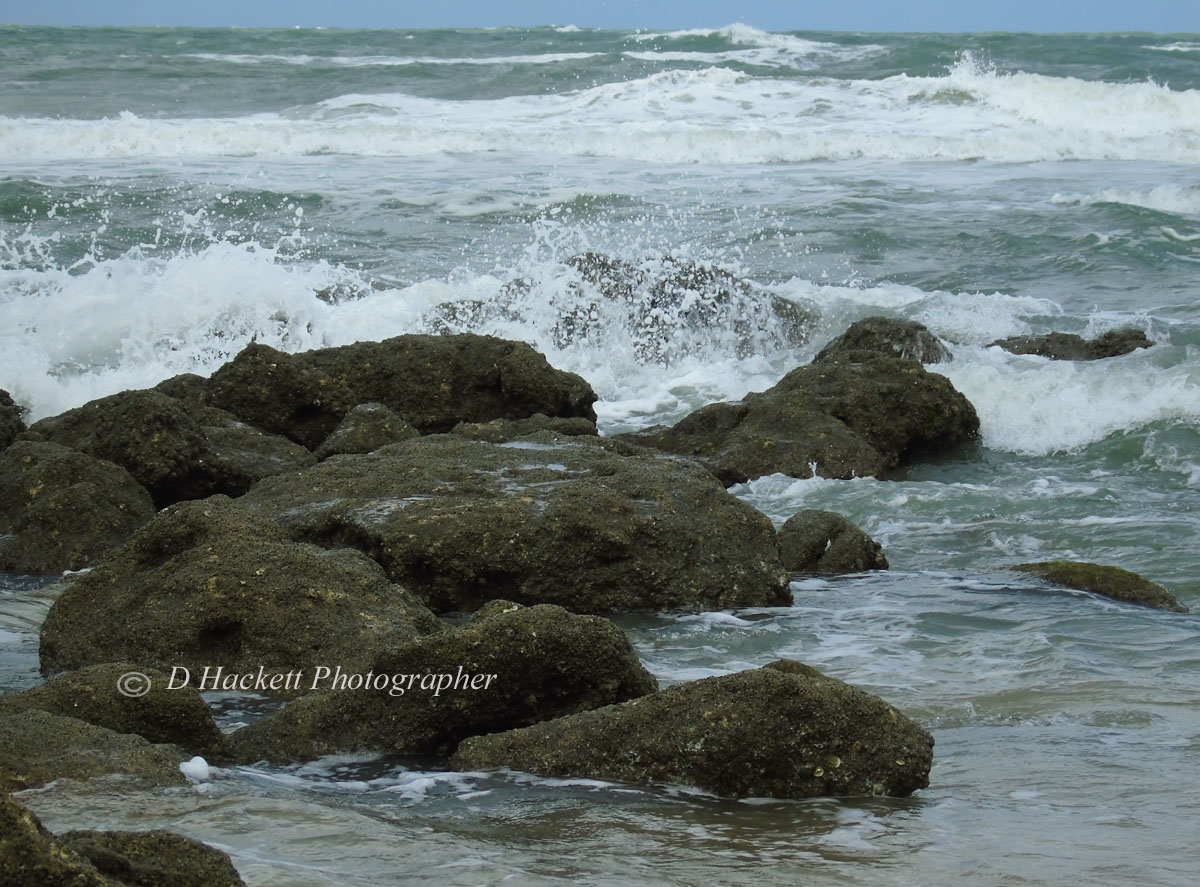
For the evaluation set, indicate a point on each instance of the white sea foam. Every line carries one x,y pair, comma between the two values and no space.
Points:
712,115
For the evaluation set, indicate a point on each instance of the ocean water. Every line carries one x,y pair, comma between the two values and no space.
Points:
166,195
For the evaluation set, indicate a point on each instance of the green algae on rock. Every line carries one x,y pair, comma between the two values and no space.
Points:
1110,582
812,541
781,732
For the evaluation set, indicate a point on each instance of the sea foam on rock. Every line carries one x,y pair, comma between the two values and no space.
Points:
205,583
782,731
886,336
592,525
840,419
432,382
546,662
1068,346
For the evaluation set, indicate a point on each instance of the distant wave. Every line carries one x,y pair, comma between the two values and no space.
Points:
364,61
1164,198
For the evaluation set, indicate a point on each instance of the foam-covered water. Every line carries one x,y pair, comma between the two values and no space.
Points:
169,195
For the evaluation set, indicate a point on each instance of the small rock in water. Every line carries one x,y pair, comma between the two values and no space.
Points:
197,768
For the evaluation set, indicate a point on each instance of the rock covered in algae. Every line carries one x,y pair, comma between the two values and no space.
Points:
1109,582
813,541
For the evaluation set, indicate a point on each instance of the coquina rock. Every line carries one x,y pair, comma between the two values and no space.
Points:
12,419
155,858
180,716
432,382
174,449
62,510
783,731
1109,582
364,429
1068,346
511,668
840,420
204,584
814,541
888,337
29,856
37,747
592,525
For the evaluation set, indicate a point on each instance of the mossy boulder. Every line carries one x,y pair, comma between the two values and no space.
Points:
180,716
591,525
775,732
886,336
156,858
30,857
522,665
62,510
174,449
814,541
37,747
432,382
838,420
12,419
1068,346
1109,582
205,584
364,429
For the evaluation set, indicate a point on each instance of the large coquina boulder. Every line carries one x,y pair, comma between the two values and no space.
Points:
886,336
37,747
840,419
511,667
175,449
94,694
1110,582
62,510
12,419
205,584
783,731
1069,346
591,525
432,382
812,541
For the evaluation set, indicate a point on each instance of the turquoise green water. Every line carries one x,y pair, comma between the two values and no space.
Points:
168,194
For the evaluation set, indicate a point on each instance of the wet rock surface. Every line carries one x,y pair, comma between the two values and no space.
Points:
155,858
589,524
1109,582
63,510
205,584
364,429
783,731
432,382
814,541
180,716
886,337
30,857
836,420
1068,346
545,661
12,419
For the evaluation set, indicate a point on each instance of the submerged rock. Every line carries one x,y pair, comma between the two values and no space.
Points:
823,542
12,419
433,382
886,336
365,429
586,523
778,732
1068,346
62,510
175,450
178,716
154,858
205,584
37,747
837,420
512,668
1110,582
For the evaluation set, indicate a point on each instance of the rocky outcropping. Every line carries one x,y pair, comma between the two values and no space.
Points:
1068,346
887,337
511,668
62,510
839,420
12,419
783,731
365,429
823,542
432,382
1109,582
204,584
591,525
37,747
174,449
180,716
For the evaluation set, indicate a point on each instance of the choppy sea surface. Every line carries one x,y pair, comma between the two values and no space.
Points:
166,195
